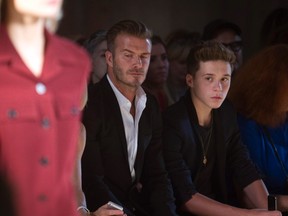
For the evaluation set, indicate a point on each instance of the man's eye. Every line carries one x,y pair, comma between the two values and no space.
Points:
128,55
144,57
208,78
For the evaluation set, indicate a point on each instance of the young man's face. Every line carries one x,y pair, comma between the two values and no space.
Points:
130,61
210,85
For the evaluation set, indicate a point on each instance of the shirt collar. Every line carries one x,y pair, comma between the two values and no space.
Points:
140,98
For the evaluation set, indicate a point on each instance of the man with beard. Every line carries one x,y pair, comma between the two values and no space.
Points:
122,160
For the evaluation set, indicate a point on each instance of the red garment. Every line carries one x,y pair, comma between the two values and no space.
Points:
39,125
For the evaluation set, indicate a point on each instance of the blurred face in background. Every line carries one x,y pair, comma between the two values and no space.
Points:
35,8
159,65
99,62
178,71
234,42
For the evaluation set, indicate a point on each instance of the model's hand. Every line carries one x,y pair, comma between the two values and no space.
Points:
105,211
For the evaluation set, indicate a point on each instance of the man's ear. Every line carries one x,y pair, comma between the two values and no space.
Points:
189,80
109,58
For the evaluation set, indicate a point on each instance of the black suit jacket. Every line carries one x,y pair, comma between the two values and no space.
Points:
105,167
183,153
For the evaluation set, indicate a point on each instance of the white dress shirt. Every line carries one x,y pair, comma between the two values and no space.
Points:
131,124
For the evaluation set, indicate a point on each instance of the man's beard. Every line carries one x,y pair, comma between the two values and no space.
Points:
120,76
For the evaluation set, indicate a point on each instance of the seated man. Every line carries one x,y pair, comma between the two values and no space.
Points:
122,160
202,148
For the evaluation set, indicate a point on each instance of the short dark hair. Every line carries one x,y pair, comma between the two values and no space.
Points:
129,27
208,51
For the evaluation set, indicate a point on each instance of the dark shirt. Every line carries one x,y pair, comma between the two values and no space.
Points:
204,179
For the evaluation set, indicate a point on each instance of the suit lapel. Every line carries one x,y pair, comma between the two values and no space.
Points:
220,154
112,104
144,137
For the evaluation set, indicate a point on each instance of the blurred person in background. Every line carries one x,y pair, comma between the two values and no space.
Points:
260,97
227,33
96,45
157,72
179,43
275,28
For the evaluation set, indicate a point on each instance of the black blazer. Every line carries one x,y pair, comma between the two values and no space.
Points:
105,167
183,153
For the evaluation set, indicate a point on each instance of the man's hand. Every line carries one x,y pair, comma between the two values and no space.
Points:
106,211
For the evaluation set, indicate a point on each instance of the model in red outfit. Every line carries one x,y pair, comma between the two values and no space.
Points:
39,111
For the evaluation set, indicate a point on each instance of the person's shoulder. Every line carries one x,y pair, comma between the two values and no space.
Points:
100,94
97,89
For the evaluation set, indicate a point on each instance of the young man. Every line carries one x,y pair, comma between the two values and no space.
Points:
122,161
202,148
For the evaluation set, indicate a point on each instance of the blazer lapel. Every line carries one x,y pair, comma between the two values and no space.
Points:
112,103
220,154
144,137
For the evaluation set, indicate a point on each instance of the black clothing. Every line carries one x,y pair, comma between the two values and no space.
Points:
105,166
184,156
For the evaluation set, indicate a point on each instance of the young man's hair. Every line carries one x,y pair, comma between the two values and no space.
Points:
128,27
259,90
208,51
